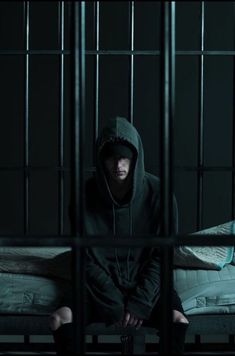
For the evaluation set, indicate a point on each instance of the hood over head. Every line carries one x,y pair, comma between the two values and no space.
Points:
119,130
118,148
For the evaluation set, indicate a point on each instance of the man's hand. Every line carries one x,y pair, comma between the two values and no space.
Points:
131,320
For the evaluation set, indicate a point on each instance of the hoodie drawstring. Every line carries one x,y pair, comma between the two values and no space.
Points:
114,233
129,249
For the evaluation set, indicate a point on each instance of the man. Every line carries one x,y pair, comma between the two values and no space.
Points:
122,199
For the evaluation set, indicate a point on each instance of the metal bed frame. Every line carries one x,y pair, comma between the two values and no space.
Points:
131,341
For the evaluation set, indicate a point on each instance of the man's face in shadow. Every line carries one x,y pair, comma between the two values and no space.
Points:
118,168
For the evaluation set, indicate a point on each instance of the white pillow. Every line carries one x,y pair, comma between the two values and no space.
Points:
206,257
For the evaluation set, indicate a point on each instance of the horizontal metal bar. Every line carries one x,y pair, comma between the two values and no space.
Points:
111,241
206,168
116,52
18,347
87,52
205,53
205,240
197,169
92,169
32,168
158,52
35,52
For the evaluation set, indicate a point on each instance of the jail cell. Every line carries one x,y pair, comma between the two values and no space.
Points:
123,67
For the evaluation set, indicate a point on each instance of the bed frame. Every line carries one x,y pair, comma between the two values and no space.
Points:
131,341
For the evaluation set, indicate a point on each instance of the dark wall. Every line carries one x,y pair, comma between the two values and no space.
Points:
44,102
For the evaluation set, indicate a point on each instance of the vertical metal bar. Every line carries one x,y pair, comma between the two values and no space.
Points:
26,339
166,119
131,40
167,116
79,116
231,339
233,143
61,119
79,110
97,47
201,127
26,119
172,68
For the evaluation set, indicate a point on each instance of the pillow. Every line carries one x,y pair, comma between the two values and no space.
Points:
206,257
44,252
48,262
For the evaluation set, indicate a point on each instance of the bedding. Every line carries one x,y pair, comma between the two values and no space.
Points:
56,261
27,294
206,291
49,262
43,252
210,257
34,278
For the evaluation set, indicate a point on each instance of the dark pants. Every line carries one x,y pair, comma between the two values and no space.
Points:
63,335
93,314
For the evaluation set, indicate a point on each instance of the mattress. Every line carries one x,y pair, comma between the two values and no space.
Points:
206,291
51,262
30,294
33,281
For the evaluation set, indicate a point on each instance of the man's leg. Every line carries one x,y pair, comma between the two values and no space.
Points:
180,323
61,324
62,330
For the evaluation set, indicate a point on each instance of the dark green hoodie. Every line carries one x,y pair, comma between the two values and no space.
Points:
122,279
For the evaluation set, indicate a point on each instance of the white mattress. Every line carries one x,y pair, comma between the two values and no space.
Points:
33,280
21,293
206,291
52,262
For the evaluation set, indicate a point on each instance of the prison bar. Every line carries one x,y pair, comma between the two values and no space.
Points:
117,52
26,118
75,241
78,80
97,72
61,120
100,241
131,73
201,125
166,178
92,169
26,123
233,128
167,114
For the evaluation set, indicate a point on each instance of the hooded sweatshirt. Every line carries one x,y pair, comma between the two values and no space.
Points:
123,279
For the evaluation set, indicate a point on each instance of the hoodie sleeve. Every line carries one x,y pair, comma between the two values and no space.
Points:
147,292
109,299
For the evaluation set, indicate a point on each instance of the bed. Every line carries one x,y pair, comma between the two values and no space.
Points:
33,281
